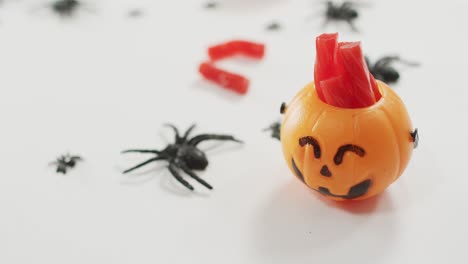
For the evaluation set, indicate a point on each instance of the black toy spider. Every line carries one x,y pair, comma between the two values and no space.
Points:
211,5
183,155
64,162
275,129
65,7
344,12
273,26
382,69
135,13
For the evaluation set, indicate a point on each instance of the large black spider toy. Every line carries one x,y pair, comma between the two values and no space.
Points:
382,69
344,12
64,162
184,155
65,7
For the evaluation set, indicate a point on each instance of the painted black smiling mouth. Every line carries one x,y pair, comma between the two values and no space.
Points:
355,191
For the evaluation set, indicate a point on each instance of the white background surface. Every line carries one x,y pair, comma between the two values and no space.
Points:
101,82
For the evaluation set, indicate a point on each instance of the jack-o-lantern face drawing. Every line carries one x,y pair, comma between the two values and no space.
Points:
347,153
346,135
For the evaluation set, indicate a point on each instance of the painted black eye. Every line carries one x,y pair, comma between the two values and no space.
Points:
313,142
349,147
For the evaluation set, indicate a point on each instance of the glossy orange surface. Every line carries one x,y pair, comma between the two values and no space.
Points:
379,134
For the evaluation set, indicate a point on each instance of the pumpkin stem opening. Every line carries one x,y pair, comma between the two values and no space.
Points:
342,78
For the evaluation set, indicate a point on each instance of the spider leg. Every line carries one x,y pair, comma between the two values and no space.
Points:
389,59
197,139
195,177
75,159
346,5
173,170
143,164
353,26
410,63
275,129
61,169
276,133
141,151
385,61
187,133
176,131
325,22
271,127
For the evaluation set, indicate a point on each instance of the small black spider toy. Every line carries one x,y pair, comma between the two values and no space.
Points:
273,26
64,162
65,7
135,13
183,155
275,129
211,5
344,12
382,69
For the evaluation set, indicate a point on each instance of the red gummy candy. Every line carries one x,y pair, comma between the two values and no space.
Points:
342,78
235,47
228,80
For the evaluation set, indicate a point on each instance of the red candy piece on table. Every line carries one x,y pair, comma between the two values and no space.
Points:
229,80
342,78
235,47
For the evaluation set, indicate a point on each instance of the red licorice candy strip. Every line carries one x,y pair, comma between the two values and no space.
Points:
250,49
375,88
356,75
324,64
229,80
221,51
235,47
332,92
341,75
